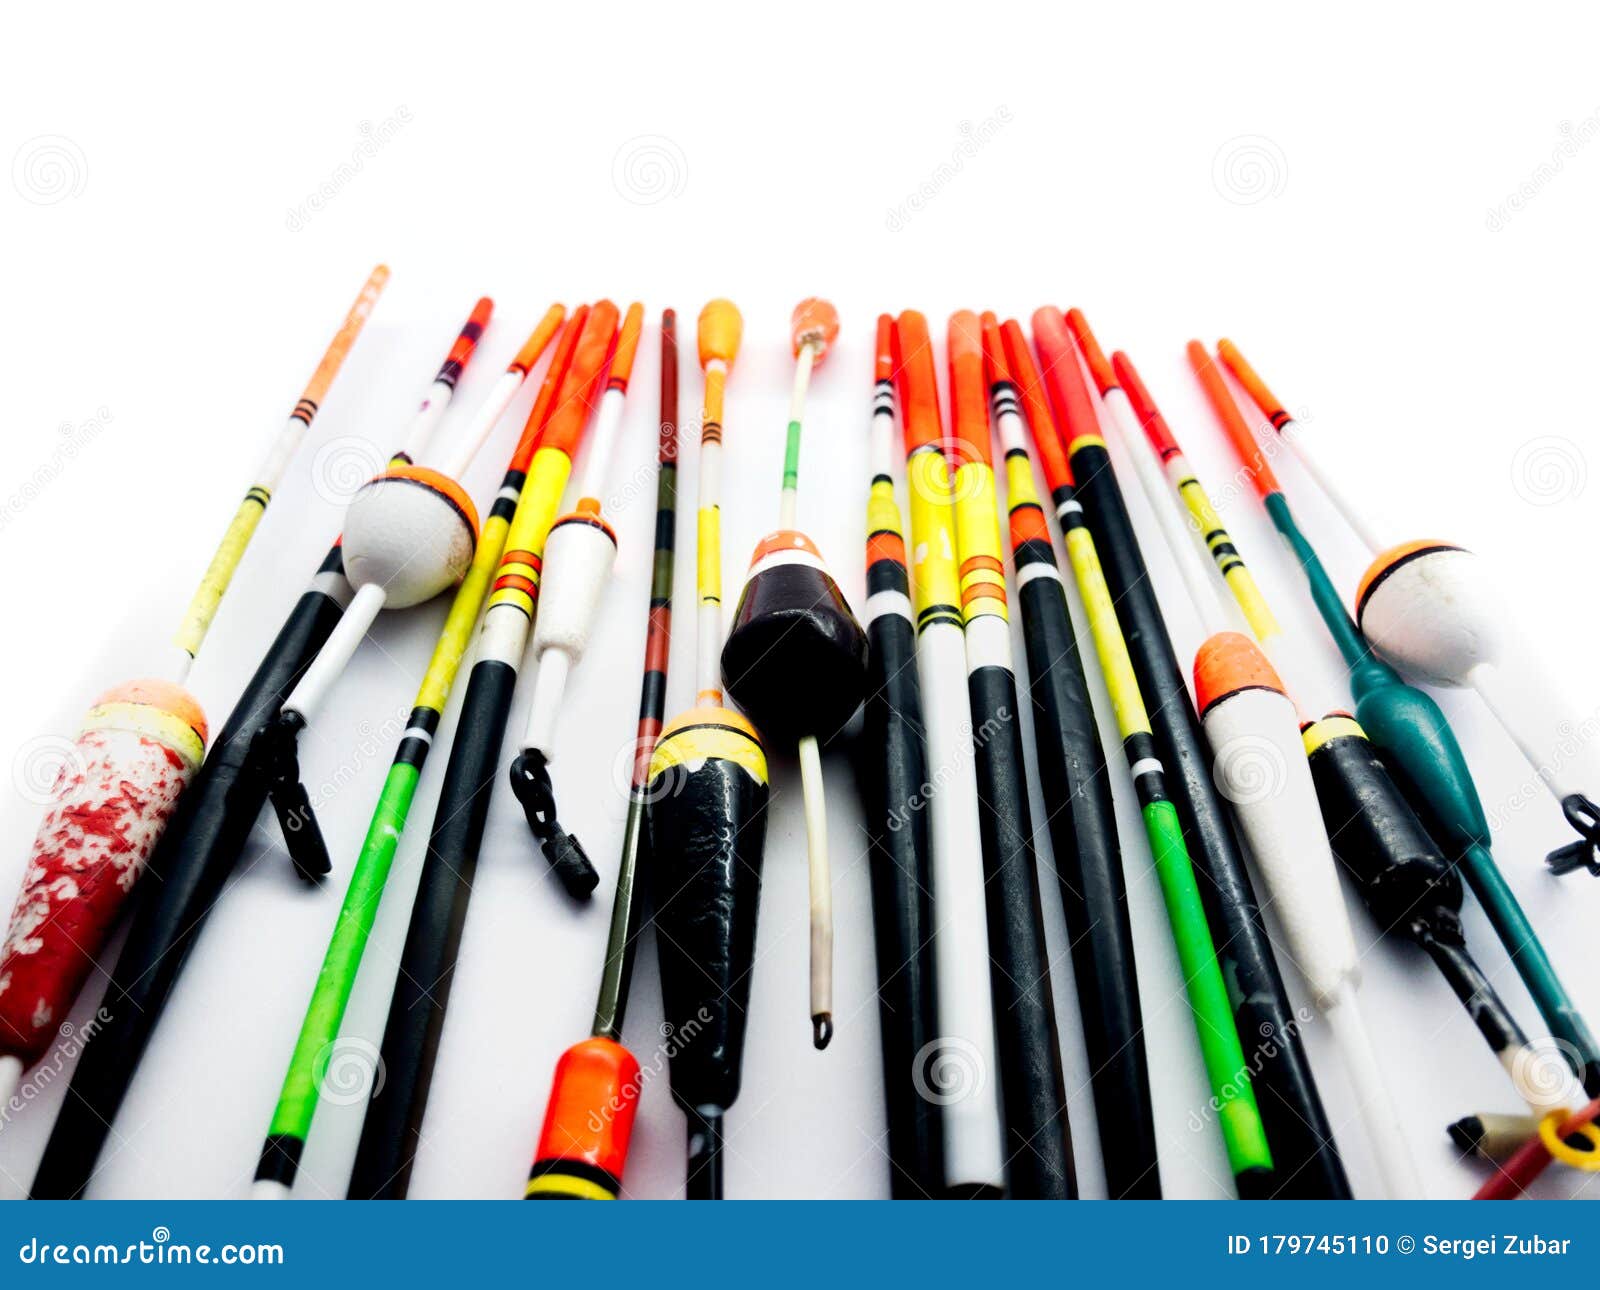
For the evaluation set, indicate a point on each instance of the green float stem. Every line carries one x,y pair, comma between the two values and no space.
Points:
297,1103
1407,724
1220,1048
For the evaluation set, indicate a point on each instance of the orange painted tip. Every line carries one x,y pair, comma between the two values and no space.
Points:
721,329
1104,378
593,1101
883,350
627,344
1228,663
164,696
1391,559
482,311
782,540
539,338
573,402
1030,389
918,382
969,407
1063,378
995,365
560,361
1144,407
1269,403
442,484
1233,422
814,322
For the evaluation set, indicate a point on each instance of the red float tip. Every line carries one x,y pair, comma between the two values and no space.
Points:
995,366
1069,394
1155,425
1269,403
1233,422
918,382
969,406
1104,378
1030,389
883,350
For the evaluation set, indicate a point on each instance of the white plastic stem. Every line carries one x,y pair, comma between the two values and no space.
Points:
266,1189
10,1077
549,685
1384,1129
483,422
821,879
788,500
319,679
425,420
602,443
1372,528
1520,698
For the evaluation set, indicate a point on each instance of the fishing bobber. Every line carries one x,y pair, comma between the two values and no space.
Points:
796,658
583,1145
1254,732
707,827
583,547
409,534
138,748
1430,608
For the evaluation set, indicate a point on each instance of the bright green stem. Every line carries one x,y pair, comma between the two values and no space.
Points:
297,1103
1242,1131
791,458
1410,727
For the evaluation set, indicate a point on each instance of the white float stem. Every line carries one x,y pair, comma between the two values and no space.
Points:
10,1077
789,498
821,881
483,422
1384,1129
1370,527
267,1189
318,680
1559,751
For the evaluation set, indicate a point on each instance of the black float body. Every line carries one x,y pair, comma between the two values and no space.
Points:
796,658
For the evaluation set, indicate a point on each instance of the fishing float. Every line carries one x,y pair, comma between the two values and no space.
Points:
958,1066
279,1161
796,658
894,766
410,533
1406,724
578,558
594,1097
1239,1118
197,854
1431,608
1083,826
1252,721
1401,874
136,753
1306,1157
706,826
1032,1084
391,1130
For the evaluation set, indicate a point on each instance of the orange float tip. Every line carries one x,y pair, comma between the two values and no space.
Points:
994,350
1269,403
814,322
482,311
721,329
627,343
539,338
164,696
442,484
1155,425
583,1144
969,406
1104,375
918,381
883,350
781,540
1228,663
1233,423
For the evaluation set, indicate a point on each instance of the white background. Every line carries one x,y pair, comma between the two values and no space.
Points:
1323,191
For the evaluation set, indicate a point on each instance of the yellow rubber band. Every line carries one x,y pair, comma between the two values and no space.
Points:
1550,1135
